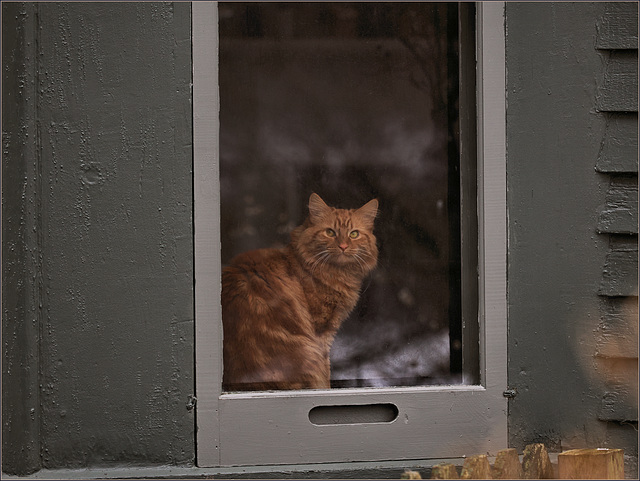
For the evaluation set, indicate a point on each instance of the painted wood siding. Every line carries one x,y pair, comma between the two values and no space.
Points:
97,228
20,260
617,101
572,164
100,360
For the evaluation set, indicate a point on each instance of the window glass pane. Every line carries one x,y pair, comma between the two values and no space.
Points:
352,101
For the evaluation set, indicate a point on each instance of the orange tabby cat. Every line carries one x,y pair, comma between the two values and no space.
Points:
281,308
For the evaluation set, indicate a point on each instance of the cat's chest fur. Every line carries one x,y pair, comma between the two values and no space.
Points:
328,305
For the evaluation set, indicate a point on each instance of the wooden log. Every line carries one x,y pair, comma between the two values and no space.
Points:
536,463
507,465
598,463
444,471
408,474
476,467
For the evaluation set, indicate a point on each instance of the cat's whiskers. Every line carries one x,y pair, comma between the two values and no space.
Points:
325,260
319,259
367,256
318,254
365,253
316,258
361,262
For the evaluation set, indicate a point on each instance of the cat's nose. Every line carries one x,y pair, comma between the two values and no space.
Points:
343,246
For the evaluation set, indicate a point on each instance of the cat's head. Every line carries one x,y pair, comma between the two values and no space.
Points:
338,237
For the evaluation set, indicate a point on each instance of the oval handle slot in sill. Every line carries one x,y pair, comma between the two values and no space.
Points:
353,414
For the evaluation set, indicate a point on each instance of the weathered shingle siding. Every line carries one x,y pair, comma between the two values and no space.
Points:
619,150
619,90
572,168
617,334
618,27
620,215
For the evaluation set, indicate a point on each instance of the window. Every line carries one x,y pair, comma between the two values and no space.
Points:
353,101
461,410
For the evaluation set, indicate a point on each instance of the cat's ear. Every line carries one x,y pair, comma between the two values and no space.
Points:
317,208
368,212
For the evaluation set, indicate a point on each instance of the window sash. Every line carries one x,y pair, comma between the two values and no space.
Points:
434,422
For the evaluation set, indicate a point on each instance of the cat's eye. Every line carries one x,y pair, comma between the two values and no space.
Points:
354,234
330,233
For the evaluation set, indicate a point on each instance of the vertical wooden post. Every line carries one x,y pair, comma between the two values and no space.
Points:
599,463
22,239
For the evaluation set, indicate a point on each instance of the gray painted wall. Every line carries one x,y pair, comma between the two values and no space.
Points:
97,233
20,260
104,329
556,126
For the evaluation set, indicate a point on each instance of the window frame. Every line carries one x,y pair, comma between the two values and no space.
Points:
434,422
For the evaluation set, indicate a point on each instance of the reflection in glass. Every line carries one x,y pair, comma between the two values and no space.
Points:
352,101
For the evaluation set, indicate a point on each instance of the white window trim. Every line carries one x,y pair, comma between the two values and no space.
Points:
258,429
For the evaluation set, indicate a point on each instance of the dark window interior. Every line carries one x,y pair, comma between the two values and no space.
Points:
353,101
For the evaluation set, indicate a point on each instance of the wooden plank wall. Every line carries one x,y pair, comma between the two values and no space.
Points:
98,322
617,100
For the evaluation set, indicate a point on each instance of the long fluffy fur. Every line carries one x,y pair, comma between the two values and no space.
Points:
281,308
